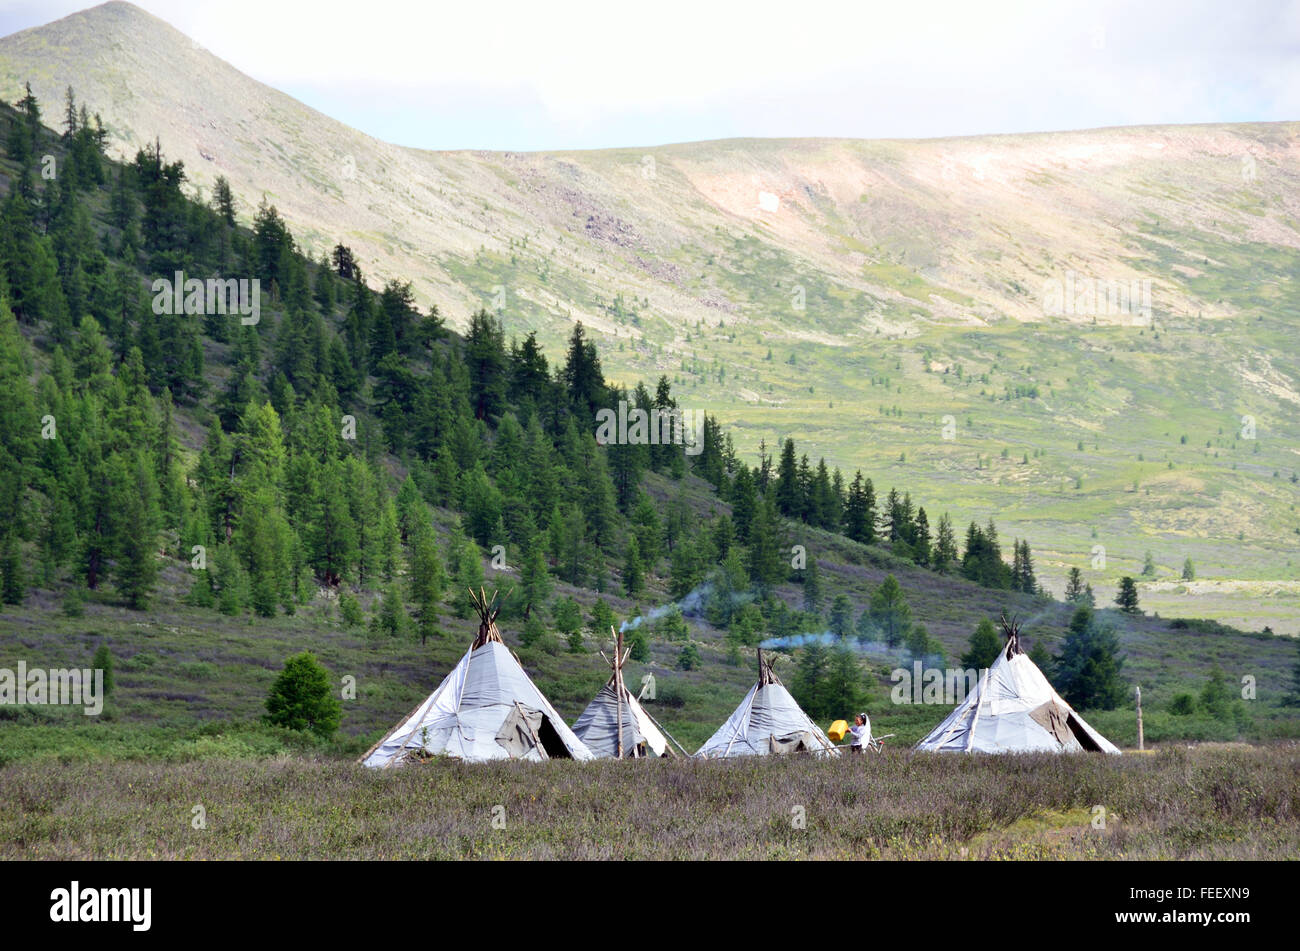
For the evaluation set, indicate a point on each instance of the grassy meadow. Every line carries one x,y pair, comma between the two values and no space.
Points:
1208,802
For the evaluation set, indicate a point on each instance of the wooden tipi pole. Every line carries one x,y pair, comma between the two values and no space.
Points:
1141,743
618,687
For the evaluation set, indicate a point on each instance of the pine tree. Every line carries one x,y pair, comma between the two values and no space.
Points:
134,489
889,611
1028,583
13,576
19,423
672,626
746,626
744,502
648,530
841,619
103,660
804,492
639,645
1042,659
823,505
567,616
633,572
534,577
688,658
534,633
828,681
984,646
302,698
223,200
766,566
1074,587
19,149
1127,596
921,542
350,612
483,505
1088,668
69,115
897,519
812,588
684,570
808,683
982,561
789,501
602,617
332,535
229,580
944,557
265,545
1216,698
388,541
730,583
426,579
721,536
920,645
843,692
467,563
391,619
583,378
31,111
57,538
575,547
485,356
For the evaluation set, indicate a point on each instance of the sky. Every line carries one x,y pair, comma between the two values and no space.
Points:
572,74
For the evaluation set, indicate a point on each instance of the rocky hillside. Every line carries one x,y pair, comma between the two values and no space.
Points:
827,288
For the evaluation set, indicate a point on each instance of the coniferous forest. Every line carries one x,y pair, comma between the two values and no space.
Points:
304,451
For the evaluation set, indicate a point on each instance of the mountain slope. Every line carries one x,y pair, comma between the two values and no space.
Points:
823,288
851,211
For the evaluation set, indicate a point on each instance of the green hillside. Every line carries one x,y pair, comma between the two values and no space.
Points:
880,290
130,437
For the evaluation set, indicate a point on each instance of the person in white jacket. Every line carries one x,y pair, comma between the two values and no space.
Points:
861,733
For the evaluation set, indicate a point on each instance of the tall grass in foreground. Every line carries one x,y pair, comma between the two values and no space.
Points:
1206,802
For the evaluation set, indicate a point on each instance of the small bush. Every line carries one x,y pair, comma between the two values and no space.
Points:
103,660
534,631
142,660
199,670
74,602
640,645
302,698
350,611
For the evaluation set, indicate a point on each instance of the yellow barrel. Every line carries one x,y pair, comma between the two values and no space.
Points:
837,730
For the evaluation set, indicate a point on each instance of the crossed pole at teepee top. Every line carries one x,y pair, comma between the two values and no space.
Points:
1012,631
620,658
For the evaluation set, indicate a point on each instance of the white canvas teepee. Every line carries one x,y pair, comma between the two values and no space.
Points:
487,708
599,725
1014,709
767,721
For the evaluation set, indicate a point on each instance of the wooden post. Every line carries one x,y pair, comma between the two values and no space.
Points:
618,689
1141,743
